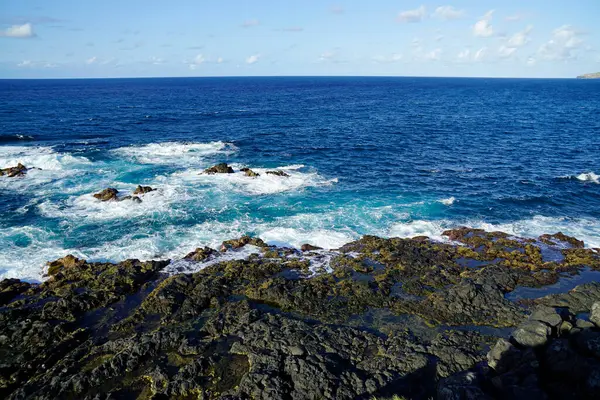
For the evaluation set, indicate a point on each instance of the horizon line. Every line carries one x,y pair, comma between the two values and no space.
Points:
284,76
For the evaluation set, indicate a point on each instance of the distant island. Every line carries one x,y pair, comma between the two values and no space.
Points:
595,75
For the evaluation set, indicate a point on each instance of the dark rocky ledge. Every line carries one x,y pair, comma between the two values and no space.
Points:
392,317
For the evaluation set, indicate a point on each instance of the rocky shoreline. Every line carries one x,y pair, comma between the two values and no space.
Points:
377,318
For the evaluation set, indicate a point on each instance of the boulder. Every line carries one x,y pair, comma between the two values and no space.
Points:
135,199
11,172
548,315
595,314
531,334
241,242
68,261
221,168
309,247
200,254
107,194
249,172
143,189
559,237
278,173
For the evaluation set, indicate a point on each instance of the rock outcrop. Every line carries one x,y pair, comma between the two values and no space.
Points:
249,172
407,317
143,190
221,168
278,173
107,194
11,172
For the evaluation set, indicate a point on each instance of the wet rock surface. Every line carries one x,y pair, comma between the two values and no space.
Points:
143,189
249,172
383,317
221,168
278,173
11,172
107,194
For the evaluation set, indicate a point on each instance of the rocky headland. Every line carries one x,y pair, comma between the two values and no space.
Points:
485,315
595,75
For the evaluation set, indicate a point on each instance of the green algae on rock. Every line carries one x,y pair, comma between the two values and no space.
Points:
384,317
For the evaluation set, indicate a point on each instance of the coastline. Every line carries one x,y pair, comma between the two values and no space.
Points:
377,317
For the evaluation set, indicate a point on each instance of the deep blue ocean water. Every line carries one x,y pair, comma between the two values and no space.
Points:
383,156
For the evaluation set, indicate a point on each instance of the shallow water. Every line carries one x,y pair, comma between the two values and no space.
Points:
383,156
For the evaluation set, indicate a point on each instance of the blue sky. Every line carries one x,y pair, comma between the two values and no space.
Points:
127,38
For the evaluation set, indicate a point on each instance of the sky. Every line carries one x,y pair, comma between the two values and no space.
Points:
135,38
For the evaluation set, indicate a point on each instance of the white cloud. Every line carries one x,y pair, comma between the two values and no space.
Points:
328,55
197,61
531,61
480,54
506,52
25,63
416,15
253,59
563,46
483,27
18,31
220,60
464,55
433,55
91,60
157,61
448,13
520,39
250,23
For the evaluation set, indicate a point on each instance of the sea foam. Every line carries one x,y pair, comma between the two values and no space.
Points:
174,152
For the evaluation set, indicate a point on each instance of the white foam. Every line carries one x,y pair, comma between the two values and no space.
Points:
27,263
87,207
188,266
589,177
587,230
448,202
39,157
174,152
290,237
260,185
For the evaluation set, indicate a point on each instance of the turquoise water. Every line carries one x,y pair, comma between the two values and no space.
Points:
384,156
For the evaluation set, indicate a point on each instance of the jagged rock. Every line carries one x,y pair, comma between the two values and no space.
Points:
251,329
200,254
462,386
107,194
221,168
561,237
68,261
143,189
135,199
531,334
11,172
309,247
547,315
595,314
503,356
241,242
249,172
278,173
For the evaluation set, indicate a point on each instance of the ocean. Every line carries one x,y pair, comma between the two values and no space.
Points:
381,156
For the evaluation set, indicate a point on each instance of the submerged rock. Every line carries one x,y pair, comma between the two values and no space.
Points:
249,172
143,189
221,168
135,199
107,194
11,172
278,173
